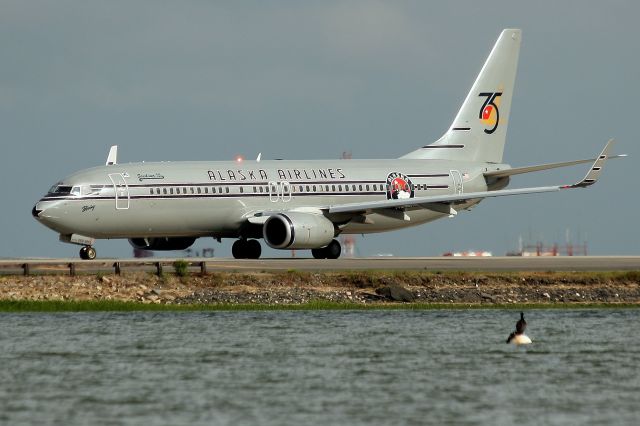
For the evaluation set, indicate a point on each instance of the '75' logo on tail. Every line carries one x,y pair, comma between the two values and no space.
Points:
489,113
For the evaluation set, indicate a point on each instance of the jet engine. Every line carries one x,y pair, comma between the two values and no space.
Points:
296,230
162,243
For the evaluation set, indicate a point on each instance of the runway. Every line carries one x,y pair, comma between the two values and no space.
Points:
488,264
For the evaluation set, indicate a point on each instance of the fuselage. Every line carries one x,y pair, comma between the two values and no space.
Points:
171,199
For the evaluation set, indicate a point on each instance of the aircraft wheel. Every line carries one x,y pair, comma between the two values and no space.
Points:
238,249
253,250
319,253
333,250
87,253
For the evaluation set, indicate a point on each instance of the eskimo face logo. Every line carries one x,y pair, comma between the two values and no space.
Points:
399,186
489,113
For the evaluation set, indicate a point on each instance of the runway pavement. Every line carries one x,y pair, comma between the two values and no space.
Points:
489,264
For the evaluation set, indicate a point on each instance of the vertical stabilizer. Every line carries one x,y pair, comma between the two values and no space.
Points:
479,131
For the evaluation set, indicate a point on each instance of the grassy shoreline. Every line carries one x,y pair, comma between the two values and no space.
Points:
295,290
44,306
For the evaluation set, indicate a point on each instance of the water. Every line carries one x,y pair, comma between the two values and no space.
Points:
333,368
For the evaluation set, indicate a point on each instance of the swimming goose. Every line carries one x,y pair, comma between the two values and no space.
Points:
518,337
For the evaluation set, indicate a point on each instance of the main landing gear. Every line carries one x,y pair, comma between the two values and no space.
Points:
332,251
246,249
88,253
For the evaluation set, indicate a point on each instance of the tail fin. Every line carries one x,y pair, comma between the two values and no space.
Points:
479,131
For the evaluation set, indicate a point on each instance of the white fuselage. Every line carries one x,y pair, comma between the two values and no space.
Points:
169,199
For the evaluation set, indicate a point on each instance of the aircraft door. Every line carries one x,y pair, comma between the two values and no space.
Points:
456,178
286,191
279,191
121,190
273,192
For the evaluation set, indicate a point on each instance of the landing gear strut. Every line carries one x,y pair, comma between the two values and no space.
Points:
87,253
332,251
246,249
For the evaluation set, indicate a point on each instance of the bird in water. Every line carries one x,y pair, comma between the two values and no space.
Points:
518,337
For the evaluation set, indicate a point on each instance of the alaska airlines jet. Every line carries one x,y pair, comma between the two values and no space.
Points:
303,204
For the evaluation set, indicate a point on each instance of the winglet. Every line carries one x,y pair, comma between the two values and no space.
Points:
112,158
593,174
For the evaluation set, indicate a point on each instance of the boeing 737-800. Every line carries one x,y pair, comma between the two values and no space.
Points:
303,204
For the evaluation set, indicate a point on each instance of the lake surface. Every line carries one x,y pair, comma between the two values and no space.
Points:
320,368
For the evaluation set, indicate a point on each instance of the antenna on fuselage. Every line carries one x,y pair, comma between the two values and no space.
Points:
259,156
112,158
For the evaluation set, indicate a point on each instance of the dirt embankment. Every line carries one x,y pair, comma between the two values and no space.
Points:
360,287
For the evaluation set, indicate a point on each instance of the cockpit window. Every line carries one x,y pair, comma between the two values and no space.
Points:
58,190
75,191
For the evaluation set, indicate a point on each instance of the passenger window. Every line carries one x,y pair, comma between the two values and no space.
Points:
353,187
360,187
242,189
367,188
226,190
333,188
151,191
199,190
301,188
326,188
164,190
339,187
206,189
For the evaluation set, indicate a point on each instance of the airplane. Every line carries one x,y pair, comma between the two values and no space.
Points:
304,204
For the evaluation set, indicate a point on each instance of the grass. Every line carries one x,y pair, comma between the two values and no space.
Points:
181,267
116,306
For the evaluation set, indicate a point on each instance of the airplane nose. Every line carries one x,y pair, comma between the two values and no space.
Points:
35,212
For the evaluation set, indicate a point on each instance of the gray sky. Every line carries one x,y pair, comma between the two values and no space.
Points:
195,80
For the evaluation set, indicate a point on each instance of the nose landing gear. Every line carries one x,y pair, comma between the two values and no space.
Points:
87,253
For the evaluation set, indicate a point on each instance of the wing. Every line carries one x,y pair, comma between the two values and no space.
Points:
540,167
435,202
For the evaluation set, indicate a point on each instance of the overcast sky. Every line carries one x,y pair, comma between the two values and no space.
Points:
192,80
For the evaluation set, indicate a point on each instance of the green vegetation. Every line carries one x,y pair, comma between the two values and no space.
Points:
115,306
181,267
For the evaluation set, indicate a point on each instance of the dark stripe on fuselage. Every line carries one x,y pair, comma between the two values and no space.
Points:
252,190
429,176
250,184
224,195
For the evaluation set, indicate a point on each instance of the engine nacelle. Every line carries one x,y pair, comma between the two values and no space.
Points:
162,243
296,230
